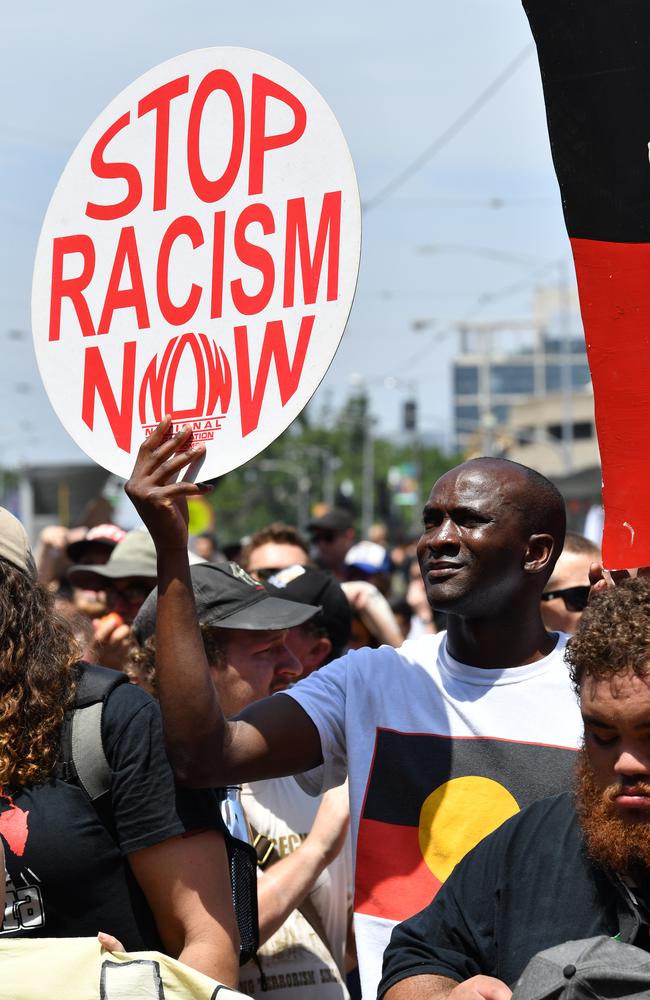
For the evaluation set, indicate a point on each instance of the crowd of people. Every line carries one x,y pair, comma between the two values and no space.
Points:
435,757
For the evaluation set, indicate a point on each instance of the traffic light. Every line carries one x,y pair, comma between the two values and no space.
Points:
410,416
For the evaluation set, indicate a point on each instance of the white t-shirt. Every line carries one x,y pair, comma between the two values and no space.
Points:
438,754
294,958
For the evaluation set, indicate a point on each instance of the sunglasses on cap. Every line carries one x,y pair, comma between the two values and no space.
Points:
575,598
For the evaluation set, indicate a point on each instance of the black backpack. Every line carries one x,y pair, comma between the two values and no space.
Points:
83,762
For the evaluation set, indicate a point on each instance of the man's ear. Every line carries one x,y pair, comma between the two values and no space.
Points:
539,552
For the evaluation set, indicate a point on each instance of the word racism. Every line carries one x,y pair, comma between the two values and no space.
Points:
237,267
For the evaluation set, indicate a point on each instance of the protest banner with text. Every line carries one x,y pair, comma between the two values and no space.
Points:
199,258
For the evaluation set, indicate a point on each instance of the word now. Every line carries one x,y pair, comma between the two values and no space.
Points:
132,294
157,390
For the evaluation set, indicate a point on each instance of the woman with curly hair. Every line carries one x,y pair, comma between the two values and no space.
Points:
154,871
38,677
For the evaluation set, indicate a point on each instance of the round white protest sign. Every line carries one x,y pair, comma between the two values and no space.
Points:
199,258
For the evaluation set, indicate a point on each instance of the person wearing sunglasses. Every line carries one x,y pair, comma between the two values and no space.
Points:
567,591
272,549
332,536
126,579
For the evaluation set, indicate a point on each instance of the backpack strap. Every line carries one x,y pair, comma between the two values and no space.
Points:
83,759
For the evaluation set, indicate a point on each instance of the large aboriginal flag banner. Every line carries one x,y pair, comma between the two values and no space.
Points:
431,798
594,57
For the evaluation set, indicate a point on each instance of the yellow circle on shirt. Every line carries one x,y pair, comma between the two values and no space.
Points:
457,816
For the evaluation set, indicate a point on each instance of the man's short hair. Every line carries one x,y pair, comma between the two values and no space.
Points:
542,508
540,504
613,634
580,545
277,533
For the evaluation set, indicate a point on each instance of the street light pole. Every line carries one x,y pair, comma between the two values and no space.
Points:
330,464
368,490
567,381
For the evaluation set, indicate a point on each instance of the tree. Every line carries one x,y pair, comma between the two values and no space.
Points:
310,460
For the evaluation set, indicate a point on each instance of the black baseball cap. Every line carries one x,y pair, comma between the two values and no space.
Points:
336,519
227,597
309,585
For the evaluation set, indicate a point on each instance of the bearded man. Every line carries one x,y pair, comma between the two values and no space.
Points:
572,866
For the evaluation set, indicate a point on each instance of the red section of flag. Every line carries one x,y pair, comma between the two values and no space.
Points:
393,882
13,827
614,287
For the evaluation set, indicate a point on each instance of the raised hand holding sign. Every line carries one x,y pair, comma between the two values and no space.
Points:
161,500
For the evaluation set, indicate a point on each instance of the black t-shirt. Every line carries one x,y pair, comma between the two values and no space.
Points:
67,876
526,887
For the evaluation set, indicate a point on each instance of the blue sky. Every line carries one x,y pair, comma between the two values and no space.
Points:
396,76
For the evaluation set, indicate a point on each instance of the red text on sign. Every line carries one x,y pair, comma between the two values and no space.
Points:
157,390
126,289
208,189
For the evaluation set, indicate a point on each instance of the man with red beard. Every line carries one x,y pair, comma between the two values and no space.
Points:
572,866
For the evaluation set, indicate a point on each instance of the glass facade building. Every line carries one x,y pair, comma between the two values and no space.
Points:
504,363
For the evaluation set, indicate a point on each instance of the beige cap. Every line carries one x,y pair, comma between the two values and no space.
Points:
134,556
14,544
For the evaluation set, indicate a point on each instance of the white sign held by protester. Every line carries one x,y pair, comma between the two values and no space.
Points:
199,257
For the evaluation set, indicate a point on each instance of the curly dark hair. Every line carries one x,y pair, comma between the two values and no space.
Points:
141,666
613,634
38,656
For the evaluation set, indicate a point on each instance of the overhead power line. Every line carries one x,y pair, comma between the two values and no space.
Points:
480,301
450,132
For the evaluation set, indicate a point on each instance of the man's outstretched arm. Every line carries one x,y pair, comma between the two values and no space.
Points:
205,749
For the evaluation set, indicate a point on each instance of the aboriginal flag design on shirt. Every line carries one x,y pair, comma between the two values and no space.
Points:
594,57
430,799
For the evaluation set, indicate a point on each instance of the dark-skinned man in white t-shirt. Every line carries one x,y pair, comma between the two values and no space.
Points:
443,739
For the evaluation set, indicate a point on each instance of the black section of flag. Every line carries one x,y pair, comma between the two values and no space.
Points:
407,768
594,57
